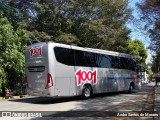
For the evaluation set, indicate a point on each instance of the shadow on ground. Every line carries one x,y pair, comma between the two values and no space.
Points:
50,100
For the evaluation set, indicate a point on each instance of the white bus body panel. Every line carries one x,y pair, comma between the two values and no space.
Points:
37,68
65,84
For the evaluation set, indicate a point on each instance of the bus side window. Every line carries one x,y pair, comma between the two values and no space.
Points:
105,61
64,55
81,59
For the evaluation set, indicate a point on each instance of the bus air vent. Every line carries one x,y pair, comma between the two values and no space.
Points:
36,68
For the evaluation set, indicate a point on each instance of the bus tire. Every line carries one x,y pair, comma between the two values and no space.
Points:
131,88
87,92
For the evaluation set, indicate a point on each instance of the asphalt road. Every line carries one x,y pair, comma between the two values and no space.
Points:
119,105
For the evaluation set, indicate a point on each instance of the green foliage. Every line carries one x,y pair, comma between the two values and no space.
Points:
67,39
38,36
12,53
2,75
137,49
87,23
155,63
150,15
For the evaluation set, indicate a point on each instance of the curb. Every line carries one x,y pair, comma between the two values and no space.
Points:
2,98
14,97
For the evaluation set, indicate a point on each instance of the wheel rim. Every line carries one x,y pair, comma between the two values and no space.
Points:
87,92
131,88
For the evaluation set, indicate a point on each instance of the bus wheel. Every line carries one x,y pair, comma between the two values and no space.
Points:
131,87
87,92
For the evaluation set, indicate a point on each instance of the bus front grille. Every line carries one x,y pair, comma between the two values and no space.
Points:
36,68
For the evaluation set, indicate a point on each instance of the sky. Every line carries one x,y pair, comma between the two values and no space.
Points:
136,33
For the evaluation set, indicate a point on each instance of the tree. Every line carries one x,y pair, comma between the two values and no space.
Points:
137,49
18,12
96,24
154,64
12,53
150,11
87,23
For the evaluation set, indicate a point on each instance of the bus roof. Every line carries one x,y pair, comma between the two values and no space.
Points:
89,49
